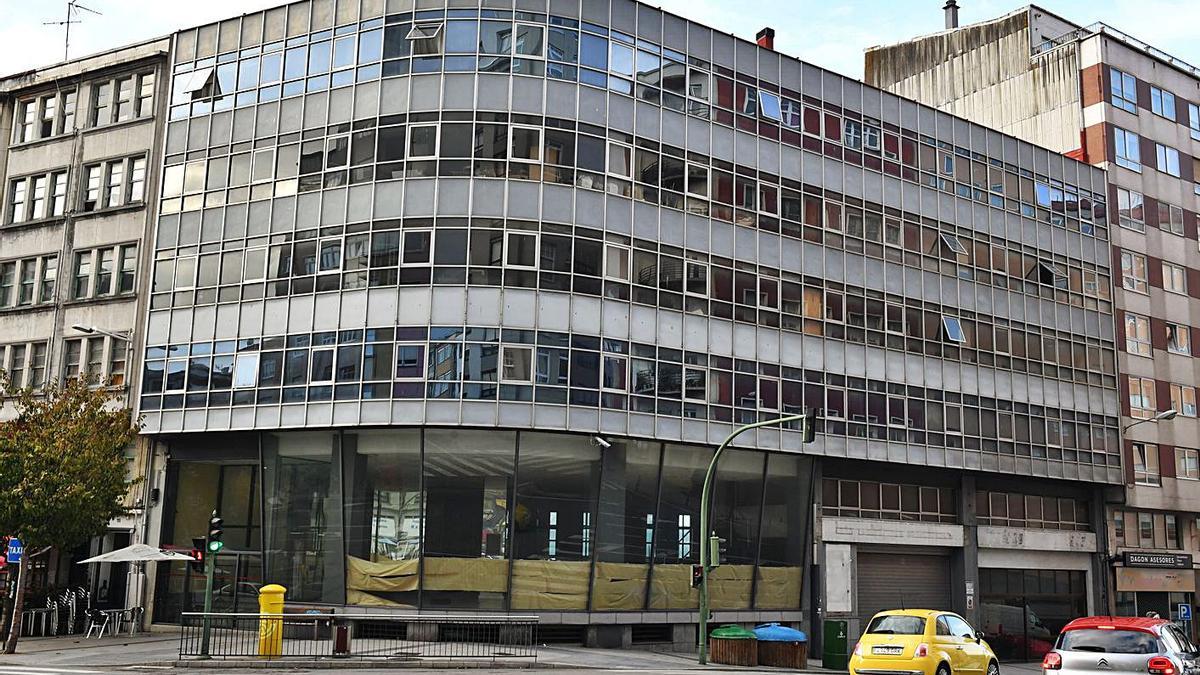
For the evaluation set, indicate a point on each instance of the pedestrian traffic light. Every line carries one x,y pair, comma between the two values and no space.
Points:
216,530
197,553
697,576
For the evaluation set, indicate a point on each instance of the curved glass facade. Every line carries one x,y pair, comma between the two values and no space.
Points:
425,252
452,518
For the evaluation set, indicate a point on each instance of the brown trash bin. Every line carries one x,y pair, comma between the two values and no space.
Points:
781,646
792,655
733,646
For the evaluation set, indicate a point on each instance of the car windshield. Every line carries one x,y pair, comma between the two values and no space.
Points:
1108,641
897,624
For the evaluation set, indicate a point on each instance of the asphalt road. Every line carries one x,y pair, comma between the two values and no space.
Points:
30,669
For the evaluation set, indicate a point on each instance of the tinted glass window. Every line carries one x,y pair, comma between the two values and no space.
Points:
564,45
1108,641
897,624
622,59
495,37
593,51
391,143
461,37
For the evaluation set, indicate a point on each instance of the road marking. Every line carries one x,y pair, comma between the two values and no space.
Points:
34,670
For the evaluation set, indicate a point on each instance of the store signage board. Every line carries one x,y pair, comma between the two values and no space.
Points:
1168,560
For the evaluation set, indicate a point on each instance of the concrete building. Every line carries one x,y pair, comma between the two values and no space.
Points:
451,304
1109,99
78,167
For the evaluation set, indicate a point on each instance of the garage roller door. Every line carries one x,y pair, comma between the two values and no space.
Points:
896,580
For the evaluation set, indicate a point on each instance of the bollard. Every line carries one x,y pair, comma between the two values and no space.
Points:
270,631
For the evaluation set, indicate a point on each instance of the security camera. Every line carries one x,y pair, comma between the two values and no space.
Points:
601,442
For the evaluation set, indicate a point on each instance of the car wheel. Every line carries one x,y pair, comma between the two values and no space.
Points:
943,669
993,668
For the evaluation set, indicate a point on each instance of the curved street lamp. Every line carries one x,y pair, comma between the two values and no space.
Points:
1160,417
807,419
93,330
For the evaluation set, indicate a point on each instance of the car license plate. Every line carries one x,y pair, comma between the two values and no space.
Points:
893,650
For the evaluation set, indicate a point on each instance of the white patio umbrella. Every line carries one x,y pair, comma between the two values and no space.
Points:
136,553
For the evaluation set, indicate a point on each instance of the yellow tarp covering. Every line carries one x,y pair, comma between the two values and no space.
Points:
389,576
779,587
549,584
354,597
619,585
728,587
483,575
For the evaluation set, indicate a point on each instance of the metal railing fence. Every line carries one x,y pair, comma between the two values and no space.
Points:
360,636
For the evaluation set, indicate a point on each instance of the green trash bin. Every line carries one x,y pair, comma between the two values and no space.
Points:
834,652
733,646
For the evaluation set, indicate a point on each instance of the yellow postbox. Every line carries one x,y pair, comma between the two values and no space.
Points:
270,631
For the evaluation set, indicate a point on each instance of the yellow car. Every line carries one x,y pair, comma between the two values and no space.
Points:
922,642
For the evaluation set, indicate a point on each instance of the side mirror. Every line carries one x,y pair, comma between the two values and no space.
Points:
979,636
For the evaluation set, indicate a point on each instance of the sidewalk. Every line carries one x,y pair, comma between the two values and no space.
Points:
160,650
156,648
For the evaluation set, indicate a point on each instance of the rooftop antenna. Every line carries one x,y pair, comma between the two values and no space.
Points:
73,7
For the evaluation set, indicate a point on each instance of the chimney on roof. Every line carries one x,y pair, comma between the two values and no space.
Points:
951,10
766,37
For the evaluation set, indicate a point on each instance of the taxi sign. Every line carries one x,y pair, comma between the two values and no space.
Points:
15,550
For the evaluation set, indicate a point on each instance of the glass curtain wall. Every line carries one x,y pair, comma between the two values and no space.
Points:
677,527
554,521
786,525
304,543
625,529
736,509
212,472
468,478
488,519
382,471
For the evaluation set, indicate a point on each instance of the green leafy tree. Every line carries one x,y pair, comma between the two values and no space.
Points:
62,471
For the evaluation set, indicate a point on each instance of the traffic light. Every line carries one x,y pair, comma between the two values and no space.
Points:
197,554
809,426
216,530
714,551
697,575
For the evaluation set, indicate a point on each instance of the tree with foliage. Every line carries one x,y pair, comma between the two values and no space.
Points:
62,471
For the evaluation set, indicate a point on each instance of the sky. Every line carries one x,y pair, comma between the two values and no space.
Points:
831,34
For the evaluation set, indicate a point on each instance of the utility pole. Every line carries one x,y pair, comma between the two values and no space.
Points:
709,545
212,546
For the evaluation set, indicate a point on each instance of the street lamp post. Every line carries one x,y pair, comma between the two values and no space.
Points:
705,499
142,514
93,330
1160,417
